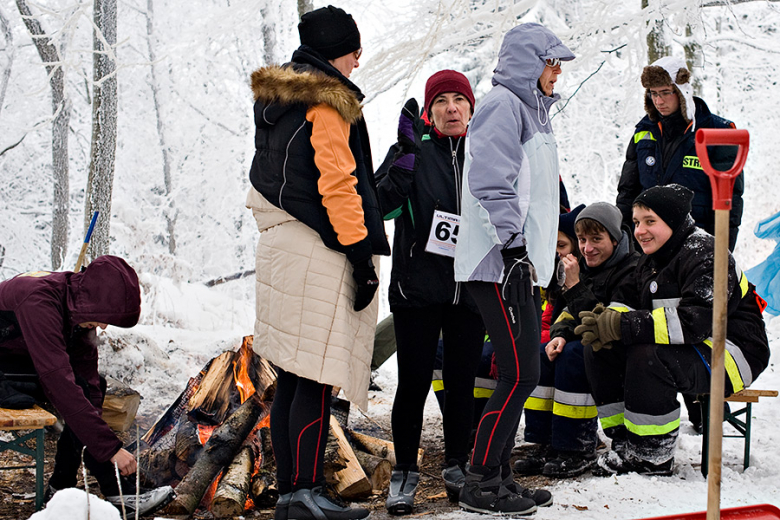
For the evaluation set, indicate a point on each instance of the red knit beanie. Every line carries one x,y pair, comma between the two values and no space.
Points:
447,81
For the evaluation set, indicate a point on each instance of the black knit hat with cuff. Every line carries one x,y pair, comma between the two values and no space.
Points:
329,31
671,202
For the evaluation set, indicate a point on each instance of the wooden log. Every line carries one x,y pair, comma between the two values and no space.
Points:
212,398
120,405
158,467
379,447
219,451
188,446
377,469
352,482
230,497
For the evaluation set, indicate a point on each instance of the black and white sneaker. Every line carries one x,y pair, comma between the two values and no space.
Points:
485,493
145,503
320,504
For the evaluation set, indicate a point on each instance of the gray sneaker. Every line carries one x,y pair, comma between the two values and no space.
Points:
400,496
454,478
282,506
145,503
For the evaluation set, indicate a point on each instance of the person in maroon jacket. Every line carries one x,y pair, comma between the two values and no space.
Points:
48,325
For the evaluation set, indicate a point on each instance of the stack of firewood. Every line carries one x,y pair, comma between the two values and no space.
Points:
217,453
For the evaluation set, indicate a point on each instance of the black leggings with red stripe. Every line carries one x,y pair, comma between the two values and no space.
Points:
514,333
300,418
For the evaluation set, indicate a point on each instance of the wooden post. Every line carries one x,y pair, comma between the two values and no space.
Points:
717,364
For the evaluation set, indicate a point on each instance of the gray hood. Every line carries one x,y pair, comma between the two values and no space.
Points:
521,61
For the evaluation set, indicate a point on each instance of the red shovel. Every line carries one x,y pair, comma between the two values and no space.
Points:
759,512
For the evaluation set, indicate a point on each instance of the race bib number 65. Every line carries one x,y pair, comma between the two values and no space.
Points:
444,234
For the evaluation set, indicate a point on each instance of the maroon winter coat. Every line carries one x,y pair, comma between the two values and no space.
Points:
48,308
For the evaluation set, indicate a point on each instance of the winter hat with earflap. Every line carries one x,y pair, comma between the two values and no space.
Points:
447,81
670,71
672,203
606,214
329,31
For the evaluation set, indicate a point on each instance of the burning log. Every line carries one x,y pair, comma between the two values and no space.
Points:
219,451
230,498
264,491
377,469
352,481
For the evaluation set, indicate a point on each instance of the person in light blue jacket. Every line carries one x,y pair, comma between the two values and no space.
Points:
506,247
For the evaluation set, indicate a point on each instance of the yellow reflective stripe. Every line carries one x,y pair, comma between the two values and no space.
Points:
743,284
731,369
483,393
541,405
619,309
643,135
564,315
612,421
659,326
652,429
691,161
437,385
545,304
574,412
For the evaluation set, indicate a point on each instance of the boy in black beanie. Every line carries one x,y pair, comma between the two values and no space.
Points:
654,340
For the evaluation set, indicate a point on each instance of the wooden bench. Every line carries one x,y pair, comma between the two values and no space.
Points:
733,417
34,419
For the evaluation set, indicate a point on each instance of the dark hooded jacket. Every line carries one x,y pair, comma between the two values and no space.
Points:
284,169
595,286
664,152
45,309
669,301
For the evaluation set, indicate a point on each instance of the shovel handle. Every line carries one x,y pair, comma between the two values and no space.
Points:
722,182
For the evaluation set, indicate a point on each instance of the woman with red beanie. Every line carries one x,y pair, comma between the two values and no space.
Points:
419,185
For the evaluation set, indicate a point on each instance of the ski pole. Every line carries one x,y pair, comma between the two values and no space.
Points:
722,186
83,252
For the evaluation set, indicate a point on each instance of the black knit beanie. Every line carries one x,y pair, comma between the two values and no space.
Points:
566,223
329,31
671,202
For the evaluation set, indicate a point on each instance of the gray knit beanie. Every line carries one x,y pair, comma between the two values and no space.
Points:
605,214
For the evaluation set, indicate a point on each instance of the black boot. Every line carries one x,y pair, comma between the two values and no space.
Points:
483,492
541,497
612,463
569,464
532,463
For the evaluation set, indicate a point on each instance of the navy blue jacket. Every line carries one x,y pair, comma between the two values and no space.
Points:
645,160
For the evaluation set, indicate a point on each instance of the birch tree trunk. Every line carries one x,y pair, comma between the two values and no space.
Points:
104,119
5,28
60,105
171,213
692,53
304,6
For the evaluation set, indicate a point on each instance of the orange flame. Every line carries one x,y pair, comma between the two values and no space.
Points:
204,432
209,495
241,373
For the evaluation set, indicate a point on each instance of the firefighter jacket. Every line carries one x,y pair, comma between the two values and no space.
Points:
664,152
669,301
595,286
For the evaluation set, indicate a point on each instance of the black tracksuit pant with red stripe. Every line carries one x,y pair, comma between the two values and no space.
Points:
514,332
300,418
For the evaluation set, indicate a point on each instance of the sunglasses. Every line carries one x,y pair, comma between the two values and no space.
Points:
553,62
358,53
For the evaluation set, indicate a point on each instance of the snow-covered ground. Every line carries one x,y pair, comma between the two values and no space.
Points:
159,358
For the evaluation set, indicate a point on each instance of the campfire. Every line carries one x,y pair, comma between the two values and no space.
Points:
213,444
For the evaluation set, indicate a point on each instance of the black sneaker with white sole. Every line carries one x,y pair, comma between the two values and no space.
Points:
146,503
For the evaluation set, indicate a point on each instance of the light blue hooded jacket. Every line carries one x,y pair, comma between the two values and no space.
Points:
511,183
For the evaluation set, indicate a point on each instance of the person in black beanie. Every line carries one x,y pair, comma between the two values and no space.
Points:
654,340
314,198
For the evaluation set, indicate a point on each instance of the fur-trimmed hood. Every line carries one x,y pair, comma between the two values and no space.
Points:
284,85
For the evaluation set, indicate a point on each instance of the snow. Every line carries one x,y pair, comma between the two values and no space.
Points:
72,504
205,54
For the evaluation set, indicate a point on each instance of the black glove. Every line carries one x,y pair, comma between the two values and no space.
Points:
518,275
367,283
